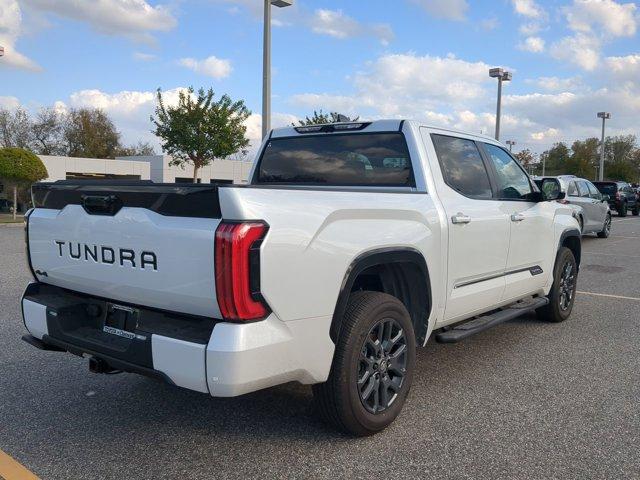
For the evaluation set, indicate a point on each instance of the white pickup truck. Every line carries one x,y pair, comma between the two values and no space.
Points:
352,244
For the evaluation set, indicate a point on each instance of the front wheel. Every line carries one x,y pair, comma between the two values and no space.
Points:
606,228
372,367
563,291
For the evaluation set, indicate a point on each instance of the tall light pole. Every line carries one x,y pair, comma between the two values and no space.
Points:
604,116
511,143
502,76
266,63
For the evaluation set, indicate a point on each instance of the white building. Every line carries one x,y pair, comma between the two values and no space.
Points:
154,167
223,171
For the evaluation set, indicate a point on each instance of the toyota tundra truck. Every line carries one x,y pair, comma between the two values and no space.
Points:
352,245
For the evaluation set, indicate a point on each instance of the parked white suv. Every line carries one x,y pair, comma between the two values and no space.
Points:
353,244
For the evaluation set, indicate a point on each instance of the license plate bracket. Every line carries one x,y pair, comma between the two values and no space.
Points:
121,320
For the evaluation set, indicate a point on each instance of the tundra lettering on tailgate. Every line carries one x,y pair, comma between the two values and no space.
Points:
107,255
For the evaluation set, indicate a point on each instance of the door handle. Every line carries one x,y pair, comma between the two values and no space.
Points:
517,217
460,218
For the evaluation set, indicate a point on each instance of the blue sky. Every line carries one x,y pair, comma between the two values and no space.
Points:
423,59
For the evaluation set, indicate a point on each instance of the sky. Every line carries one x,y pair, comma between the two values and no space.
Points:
419,59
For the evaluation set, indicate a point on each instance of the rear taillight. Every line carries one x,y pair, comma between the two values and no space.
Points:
617,195
237,253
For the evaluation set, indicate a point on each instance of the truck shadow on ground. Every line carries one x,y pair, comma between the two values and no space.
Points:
138,407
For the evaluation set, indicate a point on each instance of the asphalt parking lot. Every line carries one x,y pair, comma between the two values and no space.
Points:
524,400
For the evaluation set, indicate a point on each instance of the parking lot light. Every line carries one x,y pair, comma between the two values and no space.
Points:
266,63
511,143
502,76
604,116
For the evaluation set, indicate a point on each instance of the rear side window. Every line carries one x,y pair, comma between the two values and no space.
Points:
364,159
607,188
462,166
593,191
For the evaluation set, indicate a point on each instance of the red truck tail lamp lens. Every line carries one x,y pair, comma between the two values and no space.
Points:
237,252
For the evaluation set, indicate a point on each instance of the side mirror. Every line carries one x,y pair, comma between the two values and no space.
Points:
551,189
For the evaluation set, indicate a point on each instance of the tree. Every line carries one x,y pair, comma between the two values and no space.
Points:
320,118
19,167
89,132
526,158
15,128
584,158
198,129
555,159
48,132
140,149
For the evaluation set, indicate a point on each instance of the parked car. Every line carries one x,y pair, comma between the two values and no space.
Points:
353,243
594,214
6,206
621,197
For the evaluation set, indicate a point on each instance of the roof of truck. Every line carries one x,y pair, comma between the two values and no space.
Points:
371,126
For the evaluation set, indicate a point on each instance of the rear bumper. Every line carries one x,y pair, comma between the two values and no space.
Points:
209,356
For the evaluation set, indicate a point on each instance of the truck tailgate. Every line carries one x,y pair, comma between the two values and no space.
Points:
144,244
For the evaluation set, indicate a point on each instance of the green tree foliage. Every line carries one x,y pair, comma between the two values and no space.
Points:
15,128
47,132
20,168
555,159
198,129
141,148
321,118
89,132
526,158
584,158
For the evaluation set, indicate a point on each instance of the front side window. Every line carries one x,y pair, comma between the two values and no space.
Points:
572,191
356,159
513,182
462,166
583,188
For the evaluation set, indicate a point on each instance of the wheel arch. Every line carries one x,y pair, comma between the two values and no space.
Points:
399,271
572,239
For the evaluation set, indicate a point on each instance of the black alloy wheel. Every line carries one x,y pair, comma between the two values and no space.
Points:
382,366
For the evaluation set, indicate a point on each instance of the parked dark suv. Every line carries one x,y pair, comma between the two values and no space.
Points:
622,197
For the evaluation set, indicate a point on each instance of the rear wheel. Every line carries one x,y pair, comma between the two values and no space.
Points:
563,291
606,228
372,368
622,211
636,210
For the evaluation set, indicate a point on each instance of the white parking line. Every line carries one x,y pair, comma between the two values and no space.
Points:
619,297
610,254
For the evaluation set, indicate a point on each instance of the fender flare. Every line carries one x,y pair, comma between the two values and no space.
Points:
371,258
572,233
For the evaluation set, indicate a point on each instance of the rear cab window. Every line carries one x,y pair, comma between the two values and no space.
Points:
351,159
607,188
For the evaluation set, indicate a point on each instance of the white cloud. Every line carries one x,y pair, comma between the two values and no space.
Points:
528,8
548,134
532,44
490,24
211,66
10,30
448,9
557,84
9,103
144,57
579,49
530,28
612,18
624,68
335,23
135,19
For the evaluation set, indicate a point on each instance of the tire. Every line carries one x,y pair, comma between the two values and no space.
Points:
341,401
636,210
561,298
622,211
606,228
